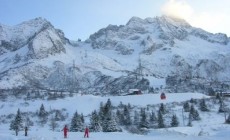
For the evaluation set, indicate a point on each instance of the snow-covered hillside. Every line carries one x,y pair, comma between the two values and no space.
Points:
210,127
40,66
144,53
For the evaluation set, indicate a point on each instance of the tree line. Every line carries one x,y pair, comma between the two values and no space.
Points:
109,118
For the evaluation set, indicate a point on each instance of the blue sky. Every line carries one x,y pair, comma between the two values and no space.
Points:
80,18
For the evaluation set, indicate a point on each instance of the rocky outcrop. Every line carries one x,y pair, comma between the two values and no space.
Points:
38,34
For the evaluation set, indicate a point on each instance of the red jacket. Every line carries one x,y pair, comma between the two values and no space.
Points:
86,130
65,129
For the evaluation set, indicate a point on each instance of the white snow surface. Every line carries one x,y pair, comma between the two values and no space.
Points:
211,124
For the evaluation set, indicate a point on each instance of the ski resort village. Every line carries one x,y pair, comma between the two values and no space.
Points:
155,78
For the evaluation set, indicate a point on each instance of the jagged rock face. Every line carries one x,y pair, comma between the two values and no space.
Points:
13,38
208,68
142,32
40,36
161,30
172,28
182,68
213,38
47,42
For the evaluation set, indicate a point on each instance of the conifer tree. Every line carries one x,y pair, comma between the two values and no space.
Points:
143,119
82,118
129,106
16,124
186,107
161,123
95,124
162,108
73,125
76,123
192,111
109,124
43,115
174,121
107,110
101,112
203,106
152,119
108,104
136,119
192,101
42,111
120,105
126,114
119,117
196,115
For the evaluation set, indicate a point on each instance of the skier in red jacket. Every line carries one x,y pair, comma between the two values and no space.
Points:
86,132
65,130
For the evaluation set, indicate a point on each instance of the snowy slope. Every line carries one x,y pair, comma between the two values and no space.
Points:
211,124
87,103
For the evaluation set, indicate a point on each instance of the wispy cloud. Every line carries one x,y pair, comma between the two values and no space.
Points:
212,21
177,8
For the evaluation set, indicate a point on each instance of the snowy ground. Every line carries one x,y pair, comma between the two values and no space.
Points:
211,124
153,135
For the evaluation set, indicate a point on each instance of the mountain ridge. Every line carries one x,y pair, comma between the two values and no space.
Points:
136,55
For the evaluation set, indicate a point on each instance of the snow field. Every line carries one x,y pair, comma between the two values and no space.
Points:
211,124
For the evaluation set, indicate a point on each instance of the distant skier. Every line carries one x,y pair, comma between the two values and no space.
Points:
26,130
65,130
86,132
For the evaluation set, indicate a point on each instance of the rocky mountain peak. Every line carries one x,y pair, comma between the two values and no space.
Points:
135,20
139,30
37,22
37,34
15,37
173,21
163,20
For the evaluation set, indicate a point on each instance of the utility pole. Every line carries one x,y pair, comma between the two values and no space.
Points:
73,76
225,116
140,67
183,116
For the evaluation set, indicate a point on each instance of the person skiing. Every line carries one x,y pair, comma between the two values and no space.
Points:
86,132
65,130
26,130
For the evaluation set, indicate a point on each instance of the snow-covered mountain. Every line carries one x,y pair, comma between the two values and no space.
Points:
140,54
